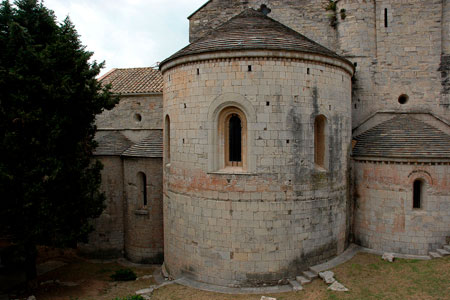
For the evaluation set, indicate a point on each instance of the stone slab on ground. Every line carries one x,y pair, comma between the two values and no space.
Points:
337,287
340,259
49,266
435,255
302,280
327,276
443,252
388,257
145,291
233,290
295,285
267,298
310,275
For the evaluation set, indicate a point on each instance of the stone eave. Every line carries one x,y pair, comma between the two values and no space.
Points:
259,53
406,160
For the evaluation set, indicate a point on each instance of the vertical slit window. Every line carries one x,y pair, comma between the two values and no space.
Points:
235,140
417,193
385,17
319,141
167,139
142,187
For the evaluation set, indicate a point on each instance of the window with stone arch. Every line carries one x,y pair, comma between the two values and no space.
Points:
320,123
233,137
167,139
418,193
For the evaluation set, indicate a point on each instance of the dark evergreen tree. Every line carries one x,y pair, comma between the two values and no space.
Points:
49,96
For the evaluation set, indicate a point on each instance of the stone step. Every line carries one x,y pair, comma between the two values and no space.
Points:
447,248
302,280
434,255
310,275
443,252
295,285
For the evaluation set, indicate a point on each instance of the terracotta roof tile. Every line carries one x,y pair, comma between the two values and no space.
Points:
252,30
403,137
134,80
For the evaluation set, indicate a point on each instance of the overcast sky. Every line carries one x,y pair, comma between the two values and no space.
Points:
129,33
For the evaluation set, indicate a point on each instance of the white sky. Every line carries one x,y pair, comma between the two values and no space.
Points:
129,33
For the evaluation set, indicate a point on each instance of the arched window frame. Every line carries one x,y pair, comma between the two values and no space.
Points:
223,133
321,142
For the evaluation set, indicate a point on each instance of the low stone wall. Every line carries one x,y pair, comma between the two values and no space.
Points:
385,219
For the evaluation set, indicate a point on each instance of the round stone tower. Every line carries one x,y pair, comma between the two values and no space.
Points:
257,138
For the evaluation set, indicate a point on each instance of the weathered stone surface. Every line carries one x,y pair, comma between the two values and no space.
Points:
31,298
267,298
388,257
296,286
145,291
327,276
337,287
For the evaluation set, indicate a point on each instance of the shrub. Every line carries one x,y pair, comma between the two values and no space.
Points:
124,275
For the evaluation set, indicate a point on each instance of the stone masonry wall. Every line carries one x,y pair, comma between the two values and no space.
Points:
283,213
384,217
107,238
143,223
125,114
410,56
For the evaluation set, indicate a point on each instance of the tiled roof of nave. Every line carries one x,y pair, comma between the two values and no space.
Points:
134,80
403,137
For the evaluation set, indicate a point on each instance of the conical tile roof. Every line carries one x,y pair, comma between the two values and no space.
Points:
252,30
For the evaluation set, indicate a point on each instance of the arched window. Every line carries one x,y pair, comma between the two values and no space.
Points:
142,186
320,141
233,136
417,193
167,139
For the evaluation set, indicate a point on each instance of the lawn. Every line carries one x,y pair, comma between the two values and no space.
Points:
366,275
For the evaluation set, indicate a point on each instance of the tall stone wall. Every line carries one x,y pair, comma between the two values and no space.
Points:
143,223
107,240
385,219
282,213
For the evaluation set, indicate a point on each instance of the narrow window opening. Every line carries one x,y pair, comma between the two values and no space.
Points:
167,139
143,187
235,140
355,64
319,141
183,141
267,103
307,71
417,193
198,71
249,68
287,141
184,105
385,17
